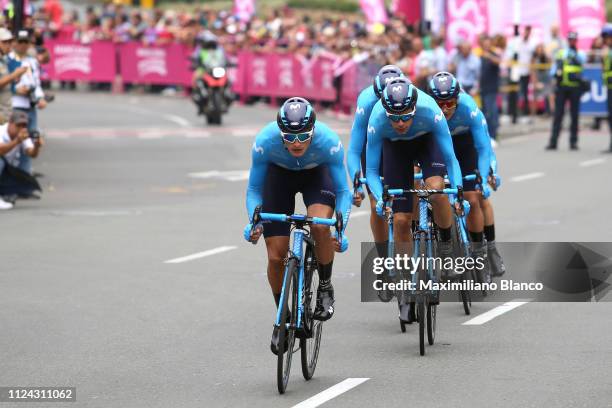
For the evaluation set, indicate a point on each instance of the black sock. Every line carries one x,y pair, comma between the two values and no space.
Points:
476,236
381,249
276,298
445,234
325,272
489,232
414,225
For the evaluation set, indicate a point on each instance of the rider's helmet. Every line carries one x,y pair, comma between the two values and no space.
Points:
384,75
399,96
443,86
296,116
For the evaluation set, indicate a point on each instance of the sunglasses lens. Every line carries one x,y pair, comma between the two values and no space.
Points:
289,137
302,137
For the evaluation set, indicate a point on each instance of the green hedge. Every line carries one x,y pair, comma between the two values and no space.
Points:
350,6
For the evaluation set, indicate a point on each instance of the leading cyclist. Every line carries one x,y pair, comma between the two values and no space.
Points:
295,154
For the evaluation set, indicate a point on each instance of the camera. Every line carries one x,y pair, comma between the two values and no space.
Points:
34,135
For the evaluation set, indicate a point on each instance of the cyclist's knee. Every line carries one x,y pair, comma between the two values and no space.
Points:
402,221
473,198
319,231
435,183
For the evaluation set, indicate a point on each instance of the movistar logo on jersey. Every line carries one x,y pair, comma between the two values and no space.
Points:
258,149
474,113
438,117
335,149
371,129
360,111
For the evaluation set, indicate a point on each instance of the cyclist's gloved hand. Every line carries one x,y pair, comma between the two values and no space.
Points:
380,208
486,191
343,245
257,231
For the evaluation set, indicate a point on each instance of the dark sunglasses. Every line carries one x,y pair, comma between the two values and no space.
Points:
448,104
300,137
403,117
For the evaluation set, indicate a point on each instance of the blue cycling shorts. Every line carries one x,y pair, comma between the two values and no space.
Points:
281,186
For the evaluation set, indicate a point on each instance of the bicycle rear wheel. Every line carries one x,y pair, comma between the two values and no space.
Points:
287,327
421,313
311,339
464,252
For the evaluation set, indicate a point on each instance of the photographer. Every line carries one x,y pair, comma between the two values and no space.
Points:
17,147
28,94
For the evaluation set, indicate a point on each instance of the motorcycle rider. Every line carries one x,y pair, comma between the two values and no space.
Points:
207,55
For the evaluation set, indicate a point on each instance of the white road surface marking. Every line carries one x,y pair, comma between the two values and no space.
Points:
331,392
594,162
178,120
231,175
528,176
493,313
244,132
199,255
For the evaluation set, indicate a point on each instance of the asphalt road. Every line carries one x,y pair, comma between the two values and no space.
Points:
88,300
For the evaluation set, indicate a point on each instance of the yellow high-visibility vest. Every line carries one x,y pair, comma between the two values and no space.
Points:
571,71
607,69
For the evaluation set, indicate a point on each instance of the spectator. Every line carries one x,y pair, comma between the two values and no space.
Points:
555,43
423,64
466,67
17,148
6,79
440,54
27,94
518,55
137,26
542,81
489,84
55,13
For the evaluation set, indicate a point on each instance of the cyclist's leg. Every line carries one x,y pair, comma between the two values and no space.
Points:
399,173
377,224
278,197
496,262
318,189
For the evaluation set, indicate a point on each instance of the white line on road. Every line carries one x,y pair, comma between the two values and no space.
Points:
528,176
178,120
493,313
230,175
331,392
199,255
594,162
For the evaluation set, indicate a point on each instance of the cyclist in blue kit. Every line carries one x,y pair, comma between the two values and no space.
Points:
295,154
356,156
473,150
407,126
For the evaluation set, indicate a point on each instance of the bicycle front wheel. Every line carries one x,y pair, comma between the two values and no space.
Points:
431,323
311,339
287,327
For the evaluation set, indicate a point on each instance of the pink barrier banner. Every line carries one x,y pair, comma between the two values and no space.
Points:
374,11
585,17
466,19
155,64
409,10
71,61
285,75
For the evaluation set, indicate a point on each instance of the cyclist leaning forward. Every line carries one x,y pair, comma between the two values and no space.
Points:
407,126
356,155
295,154
472,146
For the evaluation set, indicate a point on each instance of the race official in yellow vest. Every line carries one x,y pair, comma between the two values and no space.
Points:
607,74
567,71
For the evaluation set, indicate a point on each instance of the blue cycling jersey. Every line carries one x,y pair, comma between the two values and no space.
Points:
469,119
365,103
429,119
325,149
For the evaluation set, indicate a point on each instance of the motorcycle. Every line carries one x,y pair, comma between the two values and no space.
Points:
212,94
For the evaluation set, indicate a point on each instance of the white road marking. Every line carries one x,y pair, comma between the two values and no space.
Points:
199,255
528,176
594,162
178,120
243,133
357,214
493,313
231,175
516,139
331,392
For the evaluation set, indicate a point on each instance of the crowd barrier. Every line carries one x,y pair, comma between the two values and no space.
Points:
274,75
